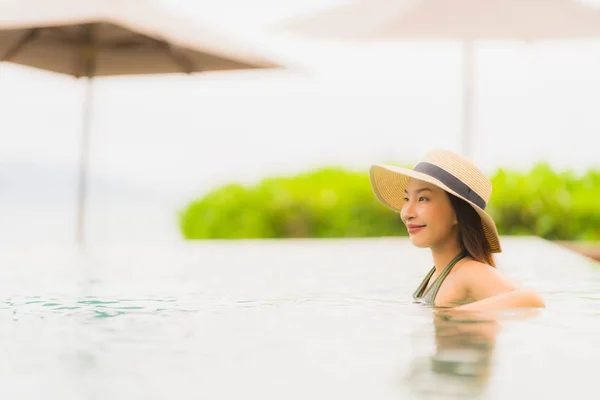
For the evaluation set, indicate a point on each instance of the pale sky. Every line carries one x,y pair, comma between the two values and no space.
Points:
362,103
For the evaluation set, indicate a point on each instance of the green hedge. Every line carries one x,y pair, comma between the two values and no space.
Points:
334,202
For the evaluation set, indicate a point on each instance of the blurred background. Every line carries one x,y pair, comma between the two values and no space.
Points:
282,150
160,144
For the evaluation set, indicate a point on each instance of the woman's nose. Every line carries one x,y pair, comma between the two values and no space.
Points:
407,212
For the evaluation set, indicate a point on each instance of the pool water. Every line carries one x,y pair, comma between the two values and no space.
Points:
285,319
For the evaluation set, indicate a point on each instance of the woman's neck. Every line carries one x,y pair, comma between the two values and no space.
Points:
442,255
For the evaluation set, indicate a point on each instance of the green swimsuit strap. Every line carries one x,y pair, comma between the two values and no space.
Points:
428,297
421,288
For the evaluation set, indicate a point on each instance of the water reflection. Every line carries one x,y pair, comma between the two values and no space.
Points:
461,363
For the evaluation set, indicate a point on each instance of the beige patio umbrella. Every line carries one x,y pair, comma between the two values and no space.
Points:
463,20
91,38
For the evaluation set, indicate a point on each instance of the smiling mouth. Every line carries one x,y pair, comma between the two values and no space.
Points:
415,228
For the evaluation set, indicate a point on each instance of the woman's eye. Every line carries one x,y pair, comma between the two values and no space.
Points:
423,199
406,199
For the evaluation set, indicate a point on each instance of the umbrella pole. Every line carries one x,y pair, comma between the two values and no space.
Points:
468,94
83,160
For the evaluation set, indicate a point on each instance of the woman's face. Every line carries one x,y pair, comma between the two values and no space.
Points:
428,215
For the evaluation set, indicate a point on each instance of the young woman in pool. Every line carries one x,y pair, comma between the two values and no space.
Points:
442,201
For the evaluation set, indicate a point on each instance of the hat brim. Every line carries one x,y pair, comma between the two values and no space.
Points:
389,183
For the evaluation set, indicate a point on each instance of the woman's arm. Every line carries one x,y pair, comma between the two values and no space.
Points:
516,298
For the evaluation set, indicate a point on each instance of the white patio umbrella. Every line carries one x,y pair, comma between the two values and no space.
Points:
463,20
91,38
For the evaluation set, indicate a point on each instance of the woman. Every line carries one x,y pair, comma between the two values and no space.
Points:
442,201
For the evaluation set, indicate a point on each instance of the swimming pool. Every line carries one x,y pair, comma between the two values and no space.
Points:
286,319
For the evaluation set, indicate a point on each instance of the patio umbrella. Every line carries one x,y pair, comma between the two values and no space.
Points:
463,20
92,38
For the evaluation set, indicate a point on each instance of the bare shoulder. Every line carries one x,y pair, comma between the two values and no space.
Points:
473,266
477,272
486,287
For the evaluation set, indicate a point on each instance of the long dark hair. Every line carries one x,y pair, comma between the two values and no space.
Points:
470,231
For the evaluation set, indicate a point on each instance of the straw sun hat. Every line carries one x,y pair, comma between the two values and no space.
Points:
446,170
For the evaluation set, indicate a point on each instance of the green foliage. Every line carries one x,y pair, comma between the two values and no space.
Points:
335,203
545,203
